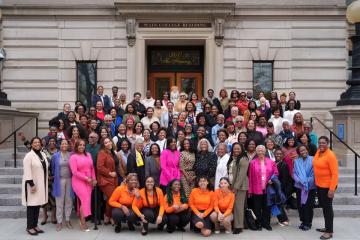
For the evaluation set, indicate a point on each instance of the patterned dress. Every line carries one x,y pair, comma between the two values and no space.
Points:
187,178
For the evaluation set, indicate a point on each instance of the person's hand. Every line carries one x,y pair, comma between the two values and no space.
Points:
136,192
125,210
112,174
94,182
201,215
176,208
139,114
270,182
158,219
331,194
89,180
33,189
142,217
21,135
182,207
220,217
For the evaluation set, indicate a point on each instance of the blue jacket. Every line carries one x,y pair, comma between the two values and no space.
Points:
55,169
106,99
274,194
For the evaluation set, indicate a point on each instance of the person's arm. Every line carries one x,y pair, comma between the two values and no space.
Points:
164,169
244,166
130,164
100,164
27,170
333,164
192,203
274,167
114,199
231,205
74,169
136,206
216,202
161,202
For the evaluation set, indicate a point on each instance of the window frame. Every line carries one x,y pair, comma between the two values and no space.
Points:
272,75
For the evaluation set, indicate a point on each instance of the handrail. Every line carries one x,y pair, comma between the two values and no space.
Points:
344,143
13,133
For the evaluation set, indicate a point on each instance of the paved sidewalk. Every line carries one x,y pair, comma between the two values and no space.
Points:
345,229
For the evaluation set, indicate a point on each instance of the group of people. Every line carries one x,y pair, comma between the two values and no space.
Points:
210,162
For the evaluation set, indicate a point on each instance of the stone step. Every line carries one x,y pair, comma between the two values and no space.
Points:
10,199
11,179
346,199
10,188
348,178
10,171
10,163
12,211
347,170
347,188
339,211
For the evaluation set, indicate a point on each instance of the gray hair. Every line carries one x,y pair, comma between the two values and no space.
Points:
107,117
210,148
139,141
260,146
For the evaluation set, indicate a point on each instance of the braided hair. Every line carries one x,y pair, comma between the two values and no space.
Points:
183,198
155,196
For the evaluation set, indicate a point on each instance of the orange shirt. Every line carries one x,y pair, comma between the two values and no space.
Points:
176,201
153,203
121,196
326,169
201,201
224,202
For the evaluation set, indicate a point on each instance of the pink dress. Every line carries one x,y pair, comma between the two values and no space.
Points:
170,166
82,167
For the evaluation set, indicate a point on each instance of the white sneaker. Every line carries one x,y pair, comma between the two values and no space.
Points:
216,231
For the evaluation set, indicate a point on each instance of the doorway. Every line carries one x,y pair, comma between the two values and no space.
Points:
171,66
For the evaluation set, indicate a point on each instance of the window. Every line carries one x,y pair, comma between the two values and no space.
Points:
262,77
86,81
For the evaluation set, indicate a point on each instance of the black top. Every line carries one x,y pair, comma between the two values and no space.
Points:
205,165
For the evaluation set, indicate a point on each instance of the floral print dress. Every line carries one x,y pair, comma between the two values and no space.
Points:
187,160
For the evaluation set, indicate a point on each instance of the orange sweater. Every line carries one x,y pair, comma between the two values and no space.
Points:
176,201
224,202
121,196
141,202
326,169
201,201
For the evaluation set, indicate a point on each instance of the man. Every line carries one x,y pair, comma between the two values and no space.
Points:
173,128
114,96
139,107
149,118
136,161
119,111
101,97
212,99
249,96
220,124
292,96
109,124
64,114
148,101
286,132
166,116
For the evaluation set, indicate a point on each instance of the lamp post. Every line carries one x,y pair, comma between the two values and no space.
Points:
352,95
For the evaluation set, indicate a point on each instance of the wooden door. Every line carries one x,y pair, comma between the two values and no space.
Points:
190,82
161,82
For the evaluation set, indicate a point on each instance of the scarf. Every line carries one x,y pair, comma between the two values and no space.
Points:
304,176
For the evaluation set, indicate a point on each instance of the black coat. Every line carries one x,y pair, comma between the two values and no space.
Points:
132,167
287,183
205,165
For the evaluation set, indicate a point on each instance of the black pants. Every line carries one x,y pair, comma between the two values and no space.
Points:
306,211
282,217
261,210
119,216
32,215
326,205
179,220
151,215
96,195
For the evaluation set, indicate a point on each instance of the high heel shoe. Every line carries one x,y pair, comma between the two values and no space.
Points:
32,233
83,227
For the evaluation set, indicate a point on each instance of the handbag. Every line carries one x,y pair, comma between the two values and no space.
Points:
316,200
250,219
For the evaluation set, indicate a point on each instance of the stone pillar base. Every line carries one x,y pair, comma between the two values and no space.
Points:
346,124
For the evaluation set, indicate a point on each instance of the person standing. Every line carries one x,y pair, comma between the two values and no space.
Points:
238,165
187,160
222,160
83,180
169,161
62,190
326,174
205,162
136,162
152,164
100,96
34,185
305,187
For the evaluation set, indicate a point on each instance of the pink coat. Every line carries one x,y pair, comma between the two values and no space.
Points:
255,174
82,167
170,169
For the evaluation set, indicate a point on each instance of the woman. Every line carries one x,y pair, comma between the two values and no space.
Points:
250,147
152,164
165,99
233,136
242,137
130,123
277,120
117,120
154,127
84,122
270,148
189,134
223,199
290,153
180,137
222,160
224,100
83,180
138,131
107,166
222,137
304,139
123,155
136,162
325,167
176,207
187,161
253,134
190,111
130,113
261,126
73,133
62,184
237,170
305,187
80,110
158,109
261,170
201,202
149,207
100,113
205,162
169,161
162,138
147,141
121,200
251,109
182,119
196,102
104,133
34,185
180,105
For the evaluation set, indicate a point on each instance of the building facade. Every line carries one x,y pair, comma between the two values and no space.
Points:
59,51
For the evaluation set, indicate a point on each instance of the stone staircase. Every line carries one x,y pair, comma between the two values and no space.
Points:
345,203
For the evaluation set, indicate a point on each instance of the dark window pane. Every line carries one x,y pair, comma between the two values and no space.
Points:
263,77
86,81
